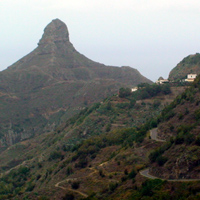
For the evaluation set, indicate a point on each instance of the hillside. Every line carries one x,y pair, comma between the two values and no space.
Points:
97,154
179,125
62,140
52,83
189,65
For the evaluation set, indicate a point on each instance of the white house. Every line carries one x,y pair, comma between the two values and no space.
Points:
191,77
134,89
161,80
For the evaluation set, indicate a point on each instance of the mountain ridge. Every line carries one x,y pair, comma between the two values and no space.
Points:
189,65
54,81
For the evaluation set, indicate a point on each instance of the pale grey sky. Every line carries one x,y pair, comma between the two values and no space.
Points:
149,35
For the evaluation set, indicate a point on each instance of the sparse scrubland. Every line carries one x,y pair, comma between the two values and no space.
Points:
97,154
65,133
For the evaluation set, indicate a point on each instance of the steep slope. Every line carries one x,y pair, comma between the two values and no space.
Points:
189,65
93,153
51,81
179,125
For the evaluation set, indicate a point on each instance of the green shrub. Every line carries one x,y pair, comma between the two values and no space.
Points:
82,163
169,115
186,111
161,160
30,187
108,127
153,156
197,142
113,186
179,139
101,173
180,116
183,129
122,105
189,138
75,185
108,106
69,170
165,89
123,178
55,155
149,187
132,103
156,103
124,92
126,172
132,174
197,114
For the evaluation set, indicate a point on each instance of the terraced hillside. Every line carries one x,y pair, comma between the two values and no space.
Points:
95,153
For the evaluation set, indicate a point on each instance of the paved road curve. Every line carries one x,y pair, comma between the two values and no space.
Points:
154,135
146,174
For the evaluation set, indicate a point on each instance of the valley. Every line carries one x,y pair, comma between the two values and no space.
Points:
72,128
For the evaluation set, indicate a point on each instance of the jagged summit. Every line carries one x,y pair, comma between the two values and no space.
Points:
55,31
54,80
57,58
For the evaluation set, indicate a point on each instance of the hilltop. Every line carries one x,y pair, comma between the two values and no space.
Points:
189,65
52,83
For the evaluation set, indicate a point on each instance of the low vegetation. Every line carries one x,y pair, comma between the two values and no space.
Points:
102,149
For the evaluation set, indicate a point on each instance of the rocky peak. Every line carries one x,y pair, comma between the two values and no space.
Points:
55,31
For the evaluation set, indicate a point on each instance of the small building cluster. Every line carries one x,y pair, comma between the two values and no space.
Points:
190,78
161,80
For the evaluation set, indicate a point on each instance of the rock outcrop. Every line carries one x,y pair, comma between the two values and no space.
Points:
57,81
56,31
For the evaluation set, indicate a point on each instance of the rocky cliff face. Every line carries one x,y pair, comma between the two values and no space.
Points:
56,31
54,81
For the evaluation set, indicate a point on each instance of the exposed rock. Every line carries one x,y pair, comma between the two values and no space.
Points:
53,81
56,31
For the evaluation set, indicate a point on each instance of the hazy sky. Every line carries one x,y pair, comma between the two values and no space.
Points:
149,35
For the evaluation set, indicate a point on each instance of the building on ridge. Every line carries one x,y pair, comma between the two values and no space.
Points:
191,77
161,80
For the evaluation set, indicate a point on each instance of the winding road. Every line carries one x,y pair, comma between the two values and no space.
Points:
146,174
72,190
75,179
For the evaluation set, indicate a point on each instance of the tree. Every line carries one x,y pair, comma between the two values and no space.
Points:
132,103
124,92
166,89
161,160
75,185
108,106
